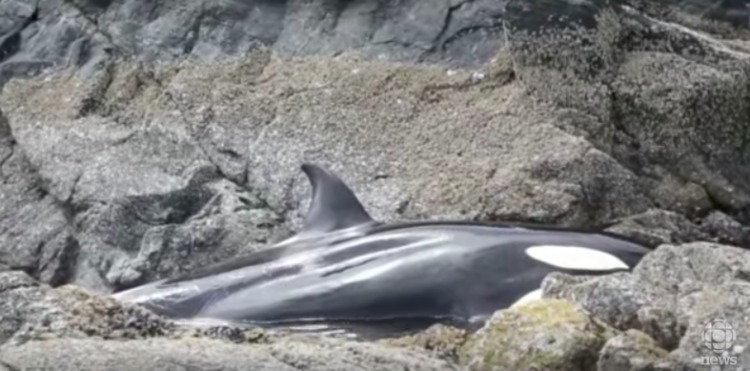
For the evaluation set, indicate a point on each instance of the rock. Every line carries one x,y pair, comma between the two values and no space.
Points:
611,298
98,215
606,95
729,20
672,295
458,33
726,229
655,227
680,196
47,249
208,354
544,335
676,269
632,351
719,88
31,310
78,33
143,238
14,12
443,341
716,327
662,325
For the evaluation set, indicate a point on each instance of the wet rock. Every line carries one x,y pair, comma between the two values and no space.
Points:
544,335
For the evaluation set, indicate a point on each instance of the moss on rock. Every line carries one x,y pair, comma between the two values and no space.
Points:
543,335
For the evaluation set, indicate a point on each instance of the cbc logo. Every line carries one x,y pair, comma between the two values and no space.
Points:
718,335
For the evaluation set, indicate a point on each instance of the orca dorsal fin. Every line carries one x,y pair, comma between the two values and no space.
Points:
333,206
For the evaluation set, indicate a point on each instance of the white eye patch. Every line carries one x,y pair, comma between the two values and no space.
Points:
574,257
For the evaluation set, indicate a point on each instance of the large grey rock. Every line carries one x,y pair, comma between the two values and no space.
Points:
672,295
621,89
126,200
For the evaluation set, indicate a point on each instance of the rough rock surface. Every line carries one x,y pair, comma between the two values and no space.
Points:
208,354
544,335
38,35
142,139
212,354
443,341
672,295
29,310
632,351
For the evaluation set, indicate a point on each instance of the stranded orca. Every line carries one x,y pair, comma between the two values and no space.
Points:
348,271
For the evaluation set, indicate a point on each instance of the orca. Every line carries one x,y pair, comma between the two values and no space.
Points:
347,271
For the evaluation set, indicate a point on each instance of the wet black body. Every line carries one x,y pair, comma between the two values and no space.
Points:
423,272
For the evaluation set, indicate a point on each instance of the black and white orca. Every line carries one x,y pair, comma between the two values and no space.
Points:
345,268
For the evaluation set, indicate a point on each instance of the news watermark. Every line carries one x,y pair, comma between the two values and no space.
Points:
719,337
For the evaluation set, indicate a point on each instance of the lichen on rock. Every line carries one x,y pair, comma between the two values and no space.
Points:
543,335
